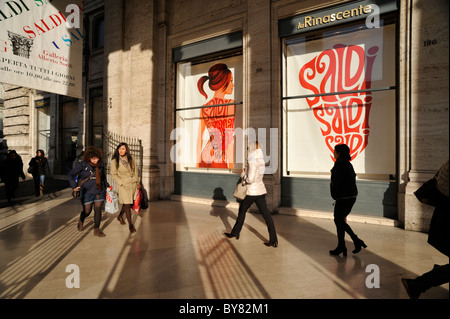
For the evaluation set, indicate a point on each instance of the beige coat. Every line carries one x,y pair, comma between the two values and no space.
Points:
126,180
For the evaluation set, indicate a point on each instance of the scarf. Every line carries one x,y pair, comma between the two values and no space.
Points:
98,179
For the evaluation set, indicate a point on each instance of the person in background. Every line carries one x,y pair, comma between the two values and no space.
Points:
125,173
39,169
10,170
343,191
438,237
256,193
93,192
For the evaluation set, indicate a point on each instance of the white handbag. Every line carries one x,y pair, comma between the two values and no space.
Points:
111,202
241,190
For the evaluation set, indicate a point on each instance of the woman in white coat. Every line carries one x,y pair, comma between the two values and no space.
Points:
125,173
256,193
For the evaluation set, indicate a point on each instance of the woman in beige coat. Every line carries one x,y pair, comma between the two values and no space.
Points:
125,173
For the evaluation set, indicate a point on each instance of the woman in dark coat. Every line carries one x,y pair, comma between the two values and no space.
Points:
93,191
343,191
438,237
10,171
39,169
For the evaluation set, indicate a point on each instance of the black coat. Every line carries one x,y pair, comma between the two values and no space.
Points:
82,171
343,180
439,234
39,166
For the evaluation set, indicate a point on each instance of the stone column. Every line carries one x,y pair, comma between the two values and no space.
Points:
429,103
16,120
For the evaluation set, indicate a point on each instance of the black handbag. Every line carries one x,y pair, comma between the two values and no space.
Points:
428,192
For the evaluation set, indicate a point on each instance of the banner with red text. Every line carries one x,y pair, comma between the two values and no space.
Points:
41,45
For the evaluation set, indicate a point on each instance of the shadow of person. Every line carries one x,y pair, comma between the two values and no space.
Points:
218,208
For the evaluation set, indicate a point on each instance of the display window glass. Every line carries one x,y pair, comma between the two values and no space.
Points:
339,86
209,113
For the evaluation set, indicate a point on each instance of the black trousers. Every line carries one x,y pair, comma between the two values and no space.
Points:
439,275
343,207
262,206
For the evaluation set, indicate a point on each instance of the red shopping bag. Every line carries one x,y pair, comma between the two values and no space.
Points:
137,202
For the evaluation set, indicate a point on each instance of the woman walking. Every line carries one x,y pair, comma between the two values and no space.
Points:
125,173
91,171
343,191
39,169
256,193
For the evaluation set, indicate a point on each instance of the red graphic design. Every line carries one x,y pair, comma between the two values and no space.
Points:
344,118
217,120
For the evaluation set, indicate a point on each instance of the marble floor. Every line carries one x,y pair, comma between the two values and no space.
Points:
179,252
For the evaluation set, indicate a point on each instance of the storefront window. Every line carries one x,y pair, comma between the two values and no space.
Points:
209,110
96,103
339,87
43,124
68,133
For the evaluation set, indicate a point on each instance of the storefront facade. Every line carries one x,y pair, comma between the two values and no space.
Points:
305,76
196,86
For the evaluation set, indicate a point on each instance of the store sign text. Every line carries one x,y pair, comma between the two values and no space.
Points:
312,21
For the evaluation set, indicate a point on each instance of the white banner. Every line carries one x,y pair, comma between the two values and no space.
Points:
41,45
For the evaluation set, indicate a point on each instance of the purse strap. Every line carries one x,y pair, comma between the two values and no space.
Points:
85,180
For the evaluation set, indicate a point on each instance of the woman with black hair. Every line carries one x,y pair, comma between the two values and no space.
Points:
343,191
125,173
39,169
93,191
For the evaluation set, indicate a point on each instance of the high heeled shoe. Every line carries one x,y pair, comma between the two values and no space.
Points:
229,235
271,244
339,250
358,245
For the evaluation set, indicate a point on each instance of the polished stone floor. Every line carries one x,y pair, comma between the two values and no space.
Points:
179,252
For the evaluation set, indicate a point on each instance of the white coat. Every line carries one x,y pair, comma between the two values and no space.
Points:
254,177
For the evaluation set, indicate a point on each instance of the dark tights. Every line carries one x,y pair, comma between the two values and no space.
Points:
97,212
126,209
342,208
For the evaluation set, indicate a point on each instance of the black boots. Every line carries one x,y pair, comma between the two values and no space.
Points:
338,250
358,245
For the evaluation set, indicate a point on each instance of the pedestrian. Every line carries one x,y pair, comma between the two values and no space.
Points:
438,237
343,191
10,170
256,193
125,173
39,169
93,191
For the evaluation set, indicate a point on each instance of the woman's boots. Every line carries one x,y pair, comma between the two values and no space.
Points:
128,215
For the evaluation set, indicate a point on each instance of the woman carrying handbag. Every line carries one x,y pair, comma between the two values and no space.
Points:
256,193
91,171
125,173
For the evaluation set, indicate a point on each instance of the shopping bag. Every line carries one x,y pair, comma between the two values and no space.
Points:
111,202
137,202
241,190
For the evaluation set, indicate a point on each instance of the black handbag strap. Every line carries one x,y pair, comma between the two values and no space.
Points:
85,180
